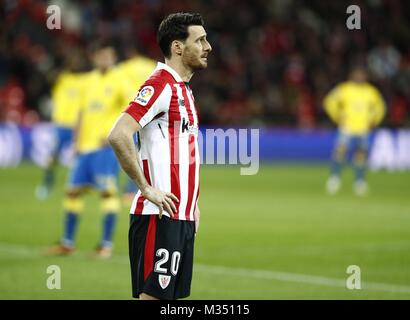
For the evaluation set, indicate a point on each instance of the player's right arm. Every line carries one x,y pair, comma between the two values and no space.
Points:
121,139
76,131
332,104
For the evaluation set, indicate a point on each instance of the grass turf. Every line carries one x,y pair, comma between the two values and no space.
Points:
275,235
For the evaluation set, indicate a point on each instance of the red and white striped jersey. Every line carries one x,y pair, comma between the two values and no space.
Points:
169,153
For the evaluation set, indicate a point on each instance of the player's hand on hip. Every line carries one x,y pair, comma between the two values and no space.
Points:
197,215
163,200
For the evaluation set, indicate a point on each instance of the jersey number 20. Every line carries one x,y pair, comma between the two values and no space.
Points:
164,254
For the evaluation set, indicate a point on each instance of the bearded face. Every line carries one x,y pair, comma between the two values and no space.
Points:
196,49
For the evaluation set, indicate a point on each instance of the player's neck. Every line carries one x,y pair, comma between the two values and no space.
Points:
184,72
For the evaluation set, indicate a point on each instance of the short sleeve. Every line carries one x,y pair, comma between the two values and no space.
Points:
153,98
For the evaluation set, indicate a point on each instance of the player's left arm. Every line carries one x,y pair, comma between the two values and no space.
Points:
197,216
76,131
121,140
379,108
80,112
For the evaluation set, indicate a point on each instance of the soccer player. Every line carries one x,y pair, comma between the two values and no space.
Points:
66,98
135,69
95,164
356,107
165,213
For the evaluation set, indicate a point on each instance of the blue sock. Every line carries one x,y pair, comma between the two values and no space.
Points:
336,168
48,178
109,221
359,173
70,227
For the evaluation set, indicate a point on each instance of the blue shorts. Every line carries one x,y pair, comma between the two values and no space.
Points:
98,169
355,141
64,138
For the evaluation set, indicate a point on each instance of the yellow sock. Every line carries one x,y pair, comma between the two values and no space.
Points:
75,205
110,204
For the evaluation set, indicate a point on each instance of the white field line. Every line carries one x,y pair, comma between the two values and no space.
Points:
298,278
23,251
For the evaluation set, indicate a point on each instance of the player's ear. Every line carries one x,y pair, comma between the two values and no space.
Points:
177,46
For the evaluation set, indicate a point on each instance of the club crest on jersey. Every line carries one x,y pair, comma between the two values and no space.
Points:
164,280
145,95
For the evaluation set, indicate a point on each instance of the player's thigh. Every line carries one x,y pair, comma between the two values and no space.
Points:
64,138
174,253
184,275
137,237
362,143
343,142
141,239
105,171
80,174
161,251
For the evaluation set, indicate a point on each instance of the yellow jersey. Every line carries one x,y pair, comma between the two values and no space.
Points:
104,99
136,71
66,99
355,107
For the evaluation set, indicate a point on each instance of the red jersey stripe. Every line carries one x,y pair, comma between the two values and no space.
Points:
173,130
150,246
140,201
145,167
187,105
140,205
191,175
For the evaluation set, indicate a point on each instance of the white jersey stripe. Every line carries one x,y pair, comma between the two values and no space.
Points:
183,156
197,161
192,148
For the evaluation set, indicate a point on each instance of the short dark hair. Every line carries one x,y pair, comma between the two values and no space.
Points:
175,27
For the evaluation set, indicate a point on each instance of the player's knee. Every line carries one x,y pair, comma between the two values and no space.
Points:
107,194
360,157
73,204
73,193
110,202
144,296
340,152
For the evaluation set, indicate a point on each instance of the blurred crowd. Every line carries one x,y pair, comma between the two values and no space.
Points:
271,65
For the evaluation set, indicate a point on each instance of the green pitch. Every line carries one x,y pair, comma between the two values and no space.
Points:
275,235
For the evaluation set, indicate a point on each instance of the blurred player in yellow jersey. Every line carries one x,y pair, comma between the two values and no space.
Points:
66,100
95,164
135,70
356,107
